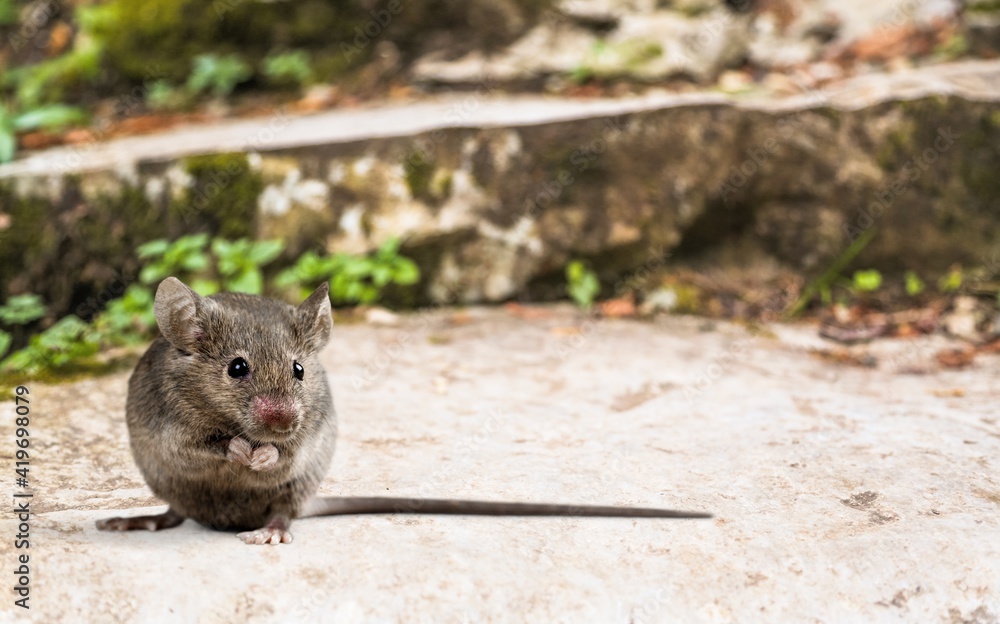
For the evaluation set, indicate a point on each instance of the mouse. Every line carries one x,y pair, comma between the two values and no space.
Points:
231,422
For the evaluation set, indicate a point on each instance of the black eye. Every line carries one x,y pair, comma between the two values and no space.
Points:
239,368
298,371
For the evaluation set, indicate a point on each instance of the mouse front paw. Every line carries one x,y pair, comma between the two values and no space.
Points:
264,458
239,451
261,459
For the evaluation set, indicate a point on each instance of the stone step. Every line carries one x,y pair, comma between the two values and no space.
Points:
494,195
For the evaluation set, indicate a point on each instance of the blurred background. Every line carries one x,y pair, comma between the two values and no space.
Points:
742,159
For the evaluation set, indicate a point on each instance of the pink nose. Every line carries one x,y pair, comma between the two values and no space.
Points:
274,412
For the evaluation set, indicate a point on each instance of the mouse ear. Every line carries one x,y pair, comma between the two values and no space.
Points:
314,320
178,310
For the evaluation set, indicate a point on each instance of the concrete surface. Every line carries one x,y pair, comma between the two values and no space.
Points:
841,494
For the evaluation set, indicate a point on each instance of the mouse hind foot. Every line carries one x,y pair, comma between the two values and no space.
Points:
166,520
274,532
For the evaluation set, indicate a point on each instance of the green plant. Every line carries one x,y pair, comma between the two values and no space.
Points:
68,340
182,257
288,68
19,310
229,265
219,74
956,46
821,285
128,319
22,309
353,279
239,263
582,284
914,285
161,95
8,16
866,281
49,81
43,117
951,281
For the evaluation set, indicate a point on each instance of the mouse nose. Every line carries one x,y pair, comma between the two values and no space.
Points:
274,412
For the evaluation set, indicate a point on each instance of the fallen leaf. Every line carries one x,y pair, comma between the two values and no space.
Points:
525,312
948,392
618,308
955,358
566,331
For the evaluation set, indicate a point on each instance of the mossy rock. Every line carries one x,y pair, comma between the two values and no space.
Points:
162,37
222,198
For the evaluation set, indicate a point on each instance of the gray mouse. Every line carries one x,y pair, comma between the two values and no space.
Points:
231,422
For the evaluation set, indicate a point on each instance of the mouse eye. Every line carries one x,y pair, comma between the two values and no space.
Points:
239,368
298,371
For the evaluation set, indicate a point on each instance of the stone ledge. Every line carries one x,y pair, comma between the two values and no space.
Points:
494,195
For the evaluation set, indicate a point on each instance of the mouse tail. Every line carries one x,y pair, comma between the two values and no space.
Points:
340,506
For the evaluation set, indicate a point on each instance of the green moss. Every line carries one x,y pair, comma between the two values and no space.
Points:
164,36
983,6
93,367
442,184
980,148
130,219
27,238
223,196
418,171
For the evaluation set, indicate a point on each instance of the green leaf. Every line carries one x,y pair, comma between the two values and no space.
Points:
195,262
288,67
867,281
220,74
251,282
951,282
583,285
914,285
150,274
381,275
405,272
189,244
389,249
5,341
8,145
25,361
22,309
51,116
264,252
205,287
153,248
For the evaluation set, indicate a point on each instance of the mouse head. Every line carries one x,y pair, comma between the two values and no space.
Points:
243,364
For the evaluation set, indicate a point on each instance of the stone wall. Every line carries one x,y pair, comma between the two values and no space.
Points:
494,203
